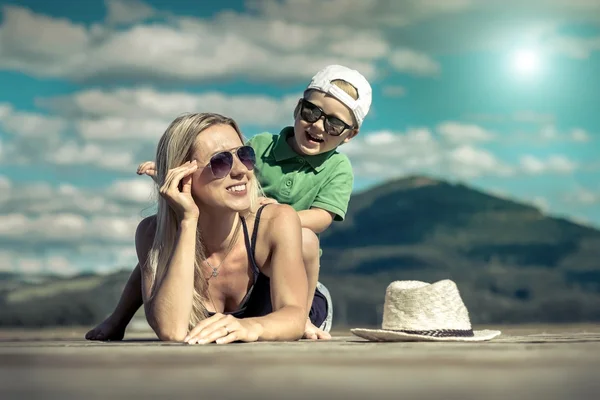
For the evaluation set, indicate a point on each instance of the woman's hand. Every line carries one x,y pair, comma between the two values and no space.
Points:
223,329
177,190
147,168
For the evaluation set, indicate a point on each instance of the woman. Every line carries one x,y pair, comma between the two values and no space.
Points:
214,267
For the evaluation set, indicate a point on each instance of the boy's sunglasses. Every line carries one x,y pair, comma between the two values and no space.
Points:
311,113
221,163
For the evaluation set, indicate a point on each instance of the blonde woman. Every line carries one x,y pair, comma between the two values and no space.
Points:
215,267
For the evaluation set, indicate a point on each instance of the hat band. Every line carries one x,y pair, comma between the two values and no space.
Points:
440,332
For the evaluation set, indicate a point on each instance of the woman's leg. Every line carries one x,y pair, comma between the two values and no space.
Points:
113,327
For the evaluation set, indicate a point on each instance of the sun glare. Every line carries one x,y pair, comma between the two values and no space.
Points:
526,62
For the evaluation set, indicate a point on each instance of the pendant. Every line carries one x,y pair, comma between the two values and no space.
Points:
215,273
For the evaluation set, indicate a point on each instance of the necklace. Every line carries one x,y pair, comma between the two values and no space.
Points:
215,270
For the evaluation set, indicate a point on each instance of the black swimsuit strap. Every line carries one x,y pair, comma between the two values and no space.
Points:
255,230
251,244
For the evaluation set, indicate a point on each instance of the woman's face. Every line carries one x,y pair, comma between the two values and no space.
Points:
231,191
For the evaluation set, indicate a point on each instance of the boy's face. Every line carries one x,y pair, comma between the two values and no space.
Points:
313,138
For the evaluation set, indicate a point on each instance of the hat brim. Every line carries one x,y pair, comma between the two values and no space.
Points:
382,335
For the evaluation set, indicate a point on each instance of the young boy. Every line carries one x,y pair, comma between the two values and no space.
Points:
299,167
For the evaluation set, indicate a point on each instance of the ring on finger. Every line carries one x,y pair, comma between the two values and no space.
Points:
227,329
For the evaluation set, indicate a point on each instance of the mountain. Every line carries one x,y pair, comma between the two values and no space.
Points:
512,263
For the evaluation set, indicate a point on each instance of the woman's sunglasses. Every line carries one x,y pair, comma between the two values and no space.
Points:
221,163
311,113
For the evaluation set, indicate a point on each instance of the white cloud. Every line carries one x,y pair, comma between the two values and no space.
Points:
534,117
583,196
70,153
67,228
116,129
394,91
105,258
5,186
389,154
146,113
550,133
30,125
558,164
39,38
410,61
60,265
575,47
458,132
580,135
29,265
470,162
186,49
128,11
123,198
6,261
357,13
138,191
541,203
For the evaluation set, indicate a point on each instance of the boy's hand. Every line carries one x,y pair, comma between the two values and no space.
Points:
265,200
147,168
314,333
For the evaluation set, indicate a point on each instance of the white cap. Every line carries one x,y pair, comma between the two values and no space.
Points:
322,81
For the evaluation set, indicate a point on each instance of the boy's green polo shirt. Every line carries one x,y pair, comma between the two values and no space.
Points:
323,181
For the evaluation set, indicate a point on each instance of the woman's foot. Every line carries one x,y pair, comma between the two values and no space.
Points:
314,333
108,330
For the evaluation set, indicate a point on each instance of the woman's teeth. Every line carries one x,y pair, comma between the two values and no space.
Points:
237,188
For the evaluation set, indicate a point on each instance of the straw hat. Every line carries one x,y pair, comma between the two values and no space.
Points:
419,311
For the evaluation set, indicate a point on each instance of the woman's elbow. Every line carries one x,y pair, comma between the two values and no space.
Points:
171,336
165,332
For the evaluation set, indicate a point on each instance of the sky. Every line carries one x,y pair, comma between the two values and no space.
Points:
499,94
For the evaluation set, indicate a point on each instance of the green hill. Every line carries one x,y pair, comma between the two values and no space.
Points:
511,262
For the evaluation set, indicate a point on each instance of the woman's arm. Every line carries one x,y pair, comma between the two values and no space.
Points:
168,304
289,285
169,307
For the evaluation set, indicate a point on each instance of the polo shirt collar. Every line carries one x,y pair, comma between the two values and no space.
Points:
283,151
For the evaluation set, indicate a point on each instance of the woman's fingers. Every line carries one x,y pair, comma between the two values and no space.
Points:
213,336
232,337
214,330
203,324
174,176
186,184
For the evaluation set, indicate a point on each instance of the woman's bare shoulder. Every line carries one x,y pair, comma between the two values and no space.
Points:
146,229
279,218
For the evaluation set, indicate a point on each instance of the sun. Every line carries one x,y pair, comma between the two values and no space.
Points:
526,62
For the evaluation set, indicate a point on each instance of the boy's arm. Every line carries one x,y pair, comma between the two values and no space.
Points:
316,219
331,203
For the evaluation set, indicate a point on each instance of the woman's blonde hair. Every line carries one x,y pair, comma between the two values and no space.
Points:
177,146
